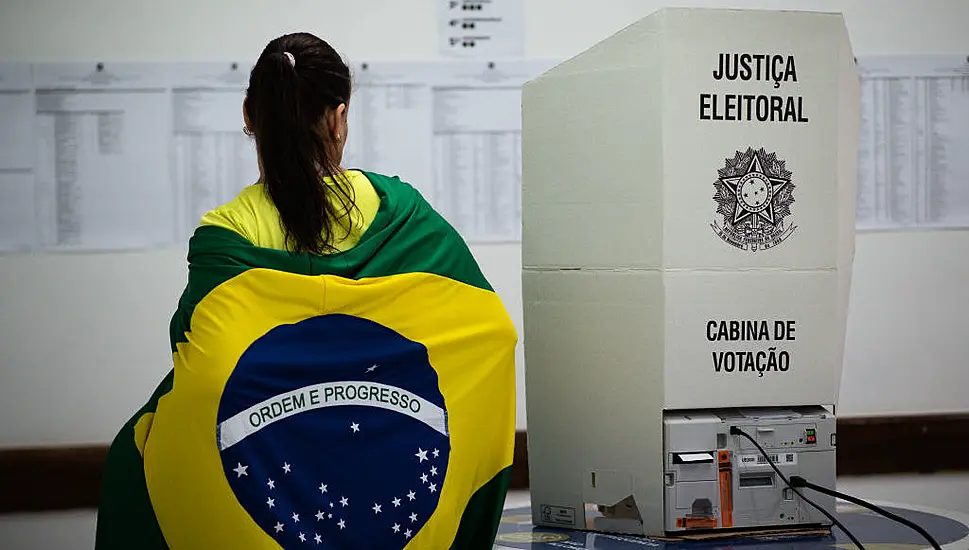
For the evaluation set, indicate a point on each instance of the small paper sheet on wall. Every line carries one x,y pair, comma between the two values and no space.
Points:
482,28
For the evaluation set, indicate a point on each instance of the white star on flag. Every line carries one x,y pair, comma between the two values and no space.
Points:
295,517
302,538
341,524
433,470
355,427
396,502
436,453
433,487
424,478
323,488
320,515
344,501
376,508
396,528
240,470
373,368
279,527
421,454
411,495
413,518
271,502
407,533
318,538
271,483
286,467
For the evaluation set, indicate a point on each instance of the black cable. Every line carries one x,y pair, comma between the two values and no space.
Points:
737,431
799,481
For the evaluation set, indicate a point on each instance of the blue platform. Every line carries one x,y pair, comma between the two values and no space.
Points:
950,529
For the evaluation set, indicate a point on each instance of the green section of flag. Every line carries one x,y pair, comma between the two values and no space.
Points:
406,236
481,518
125,516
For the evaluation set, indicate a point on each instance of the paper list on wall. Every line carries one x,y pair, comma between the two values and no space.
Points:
914,151
390,124
477,150
102,176
109,156
212,158
17,212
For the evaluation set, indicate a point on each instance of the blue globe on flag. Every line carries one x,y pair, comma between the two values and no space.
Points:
333,434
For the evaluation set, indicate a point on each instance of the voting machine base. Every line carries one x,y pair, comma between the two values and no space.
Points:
716,480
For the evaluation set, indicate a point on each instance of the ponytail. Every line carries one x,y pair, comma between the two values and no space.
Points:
293,86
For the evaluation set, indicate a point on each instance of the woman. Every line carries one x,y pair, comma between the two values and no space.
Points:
343,373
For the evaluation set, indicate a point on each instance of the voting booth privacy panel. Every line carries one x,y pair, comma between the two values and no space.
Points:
688,235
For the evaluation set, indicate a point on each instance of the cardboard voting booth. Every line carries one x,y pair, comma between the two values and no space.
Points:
688,207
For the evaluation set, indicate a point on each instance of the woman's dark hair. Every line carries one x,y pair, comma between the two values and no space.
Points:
286,103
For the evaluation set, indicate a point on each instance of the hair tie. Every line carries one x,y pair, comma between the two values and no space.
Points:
292,60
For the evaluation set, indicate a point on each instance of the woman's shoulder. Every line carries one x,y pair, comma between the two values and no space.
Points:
243,213
365,195
252,214
402,195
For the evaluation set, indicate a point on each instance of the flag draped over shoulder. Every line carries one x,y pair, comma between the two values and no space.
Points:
362,399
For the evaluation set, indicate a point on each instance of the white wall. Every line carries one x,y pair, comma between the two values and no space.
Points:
83,338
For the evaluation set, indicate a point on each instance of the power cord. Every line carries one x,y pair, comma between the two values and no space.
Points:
737,431
799,481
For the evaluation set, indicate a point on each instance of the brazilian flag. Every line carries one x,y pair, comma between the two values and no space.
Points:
360,399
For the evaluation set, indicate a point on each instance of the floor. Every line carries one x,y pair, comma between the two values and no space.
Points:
75,530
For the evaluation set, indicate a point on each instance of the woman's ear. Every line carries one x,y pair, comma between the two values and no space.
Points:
338,122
